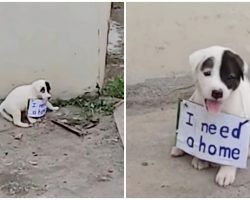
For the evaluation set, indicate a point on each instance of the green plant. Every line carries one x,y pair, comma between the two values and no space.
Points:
89,105
114,87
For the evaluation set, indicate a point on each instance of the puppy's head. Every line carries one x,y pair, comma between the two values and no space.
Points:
42,89
218,72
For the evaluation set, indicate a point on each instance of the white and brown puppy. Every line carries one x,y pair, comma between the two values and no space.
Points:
17,101
221,85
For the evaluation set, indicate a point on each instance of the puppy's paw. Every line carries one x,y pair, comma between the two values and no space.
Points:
55,108
32,120
226,175
176,152
199,164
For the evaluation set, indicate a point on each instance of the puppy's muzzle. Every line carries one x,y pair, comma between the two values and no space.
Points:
217,94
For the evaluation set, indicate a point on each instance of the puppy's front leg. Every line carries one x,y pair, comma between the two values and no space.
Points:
226,175
199,164
51,107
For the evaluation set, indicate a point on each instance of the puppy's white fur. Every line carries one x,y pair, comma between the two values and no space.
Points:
17,101
235,102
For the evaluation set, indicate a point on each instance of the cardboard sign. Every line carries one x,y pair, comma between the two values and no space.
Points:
37,108
219,138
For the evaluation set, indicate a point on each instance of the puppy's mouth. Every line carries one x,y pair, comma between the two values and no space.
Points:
213,106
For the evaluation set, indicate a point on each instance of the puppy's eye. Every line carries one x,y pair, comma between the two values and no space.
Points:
207,73
42,90
231,77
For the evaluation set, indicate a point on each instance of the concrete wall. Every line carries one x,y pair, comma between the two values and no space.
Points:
161,36
62,42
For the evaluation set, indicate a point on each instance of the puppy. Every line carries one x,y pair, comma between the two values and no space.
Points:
17,101
221,85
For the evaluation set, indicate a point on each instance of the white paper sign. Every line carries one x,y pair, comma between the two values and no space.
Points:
37,107
219,138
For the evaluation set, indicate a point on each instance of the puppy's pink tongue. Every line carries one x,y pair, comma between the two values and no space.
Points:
212,105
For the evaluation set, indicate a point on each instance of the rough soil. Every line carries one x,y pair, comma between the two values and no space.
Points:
155,93
49,161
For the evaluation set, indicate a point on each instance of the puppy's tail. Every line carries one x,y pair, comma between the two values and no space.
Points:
4,114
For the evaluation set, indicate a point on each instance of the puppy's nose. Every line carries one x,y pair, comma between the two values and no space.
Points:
217,94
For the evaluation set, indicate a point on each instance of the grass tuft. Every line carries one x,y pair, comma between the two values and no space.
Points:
114,88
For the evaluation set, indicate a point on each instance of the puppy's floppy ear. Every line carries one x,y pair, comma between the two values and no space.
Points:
236,61
197,58
239,61
48,87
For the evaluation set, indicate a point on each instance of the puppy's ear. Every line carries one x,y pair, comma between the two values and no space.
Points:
196,59
239,61
233,59
48,88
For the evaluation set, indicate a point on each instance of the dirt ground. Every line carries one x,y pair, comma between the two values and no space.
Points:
151,171
49,161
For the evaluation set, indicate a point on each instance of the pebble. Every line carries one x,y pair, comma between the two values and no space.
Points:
103,178
144,164
34,153
18,136
33,162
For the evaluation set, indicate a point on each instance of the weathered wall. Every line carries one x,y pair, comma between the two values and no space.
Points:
161,36
62,42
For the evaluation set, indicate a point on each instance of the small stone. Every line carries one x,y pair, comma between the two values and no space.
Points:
64,121
33,162
110,170
6,163
115,140
103,179
144,164
34,153
18,136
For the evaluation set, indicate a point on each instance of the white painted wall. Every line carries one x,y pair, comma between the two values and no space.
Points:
62,42
161,36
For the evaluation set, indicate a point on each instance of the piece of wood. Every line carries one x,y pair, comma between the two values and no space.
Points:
69,128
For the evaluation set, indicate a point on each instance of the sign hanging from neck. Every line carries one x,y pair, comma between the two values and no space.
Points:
220,138
37,108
